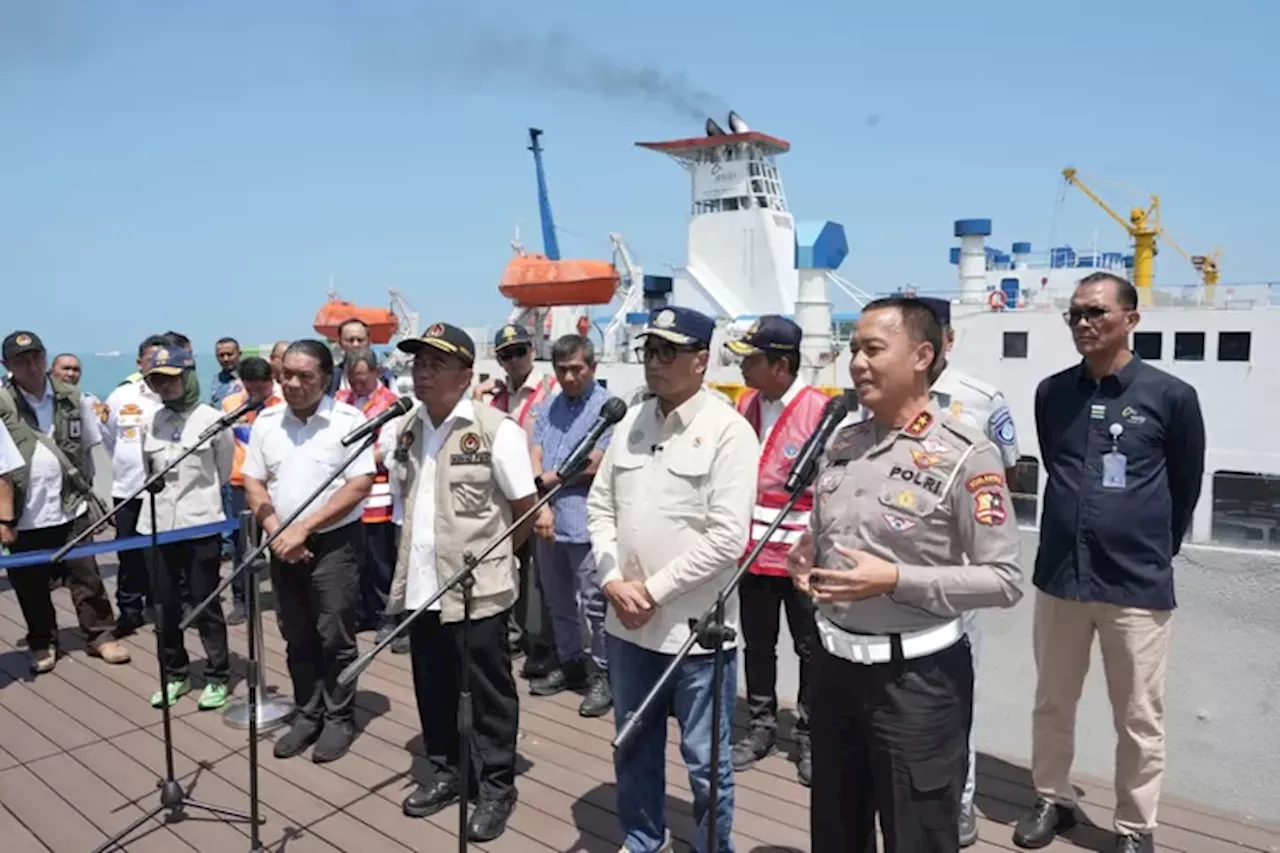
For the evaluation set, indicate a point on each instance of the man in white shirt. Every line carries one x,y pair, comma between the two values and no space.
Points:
464,472
10,461
293,450
54,428
127,409
983,407
669,515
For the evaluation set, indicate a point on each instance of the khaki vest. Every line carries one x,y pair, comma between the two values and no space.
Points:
471,512
18,417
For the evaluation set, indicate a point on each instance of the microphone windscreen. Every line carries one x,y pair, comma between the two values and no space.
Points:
614,410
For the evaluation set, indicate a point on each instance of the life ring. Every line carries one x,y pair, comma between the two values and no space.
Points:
997,300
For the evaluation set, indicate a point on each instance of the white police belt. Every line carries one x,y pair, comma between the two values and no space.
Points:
870,649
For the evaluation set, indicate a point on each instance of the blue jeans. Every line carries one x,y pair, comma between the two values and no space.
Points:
571,590
641,766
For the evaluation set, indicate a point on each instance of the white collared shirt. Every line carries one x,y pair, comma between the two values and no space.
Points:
671,506
192,493
43,505
771,410
129,407
512,472
294,457
10,458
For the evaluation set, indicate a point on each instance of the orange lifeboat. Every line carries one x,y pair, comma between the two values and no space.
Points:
382,322
535,281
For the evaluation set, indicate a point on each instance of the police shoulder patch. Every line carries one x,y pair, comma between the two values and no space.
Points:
988,480
988,508
1000,427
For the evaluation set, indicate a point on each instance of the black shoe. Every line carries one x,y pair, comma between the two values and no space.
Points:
129,623
968,826
1038,828
429,799
384,632
301,735
400,645
570,676
599,698
1135,843
757,744
237,616
537,665
804,761
490,818
334,741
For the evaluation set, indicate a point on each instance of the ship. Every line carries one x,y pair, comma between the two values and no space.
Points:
747,255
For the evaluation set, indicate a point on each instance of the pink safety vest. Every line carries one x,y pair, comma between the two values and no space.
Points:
796,423
377,507
526,416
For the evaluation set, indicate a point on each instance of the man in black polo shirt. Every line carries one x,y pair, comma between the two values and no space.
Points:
1123,445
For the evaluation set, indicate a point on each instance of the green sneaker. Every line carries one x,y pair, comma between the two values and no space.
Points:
175,689
214,696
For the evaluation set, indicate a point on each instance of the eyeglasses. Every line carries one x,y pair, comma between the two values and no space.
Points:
664,353
512,353
1091,314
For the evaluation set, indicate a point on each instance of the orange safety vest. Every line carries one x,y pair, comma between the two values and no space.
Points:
241,429
794,426
377,507
529,411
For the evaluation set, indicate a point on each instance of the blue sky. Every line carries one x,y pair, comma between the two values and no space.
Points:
209,167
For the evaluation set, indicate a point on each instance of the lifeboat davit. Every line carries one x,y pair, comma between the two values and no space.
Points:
535,281
382,322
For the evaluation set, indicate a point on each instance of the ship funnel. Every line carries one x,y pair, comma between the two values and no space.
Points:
736,124
714,129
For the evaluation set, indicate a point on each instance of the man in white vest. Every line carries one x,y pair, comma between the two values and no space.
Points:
464,474
983,407
784,411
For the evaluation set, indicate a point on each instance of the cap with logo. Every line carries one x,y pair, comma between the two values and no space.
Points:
446,338
19,342
511,335
941,308
682,326
169,361
770,333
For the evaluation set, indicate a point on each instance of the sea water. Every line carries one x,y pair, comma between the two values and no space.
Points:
100,374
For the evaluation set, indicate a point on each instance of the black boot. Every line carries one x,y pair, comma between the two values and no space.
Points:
1039,827
757,744
599,698
569,676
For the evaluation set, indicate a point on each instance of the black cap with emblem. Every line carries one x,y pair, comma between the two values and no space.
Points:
446,338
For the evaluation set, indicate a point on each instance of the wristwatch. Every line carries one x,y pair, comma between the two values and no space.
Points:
538,484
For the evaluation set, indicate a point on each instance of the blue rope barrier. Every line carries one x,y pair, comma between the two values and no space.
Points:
133,543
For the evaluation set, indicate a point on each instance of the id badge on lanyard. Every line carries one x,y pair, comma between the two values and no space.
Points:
1114,463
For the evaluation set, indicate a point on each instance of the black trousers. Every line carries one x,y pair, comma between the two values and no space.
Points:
377,565
198,562
88,595
437,665
133,580
762,597
890,739
529,627
316,601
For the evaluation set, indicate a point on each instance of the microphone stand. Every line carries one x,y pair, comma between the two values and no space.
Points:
173,799
710,632
464,578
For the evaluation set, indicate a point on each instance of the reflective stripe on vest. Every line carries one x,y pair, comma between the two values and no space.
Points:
377,507
794,426
525,417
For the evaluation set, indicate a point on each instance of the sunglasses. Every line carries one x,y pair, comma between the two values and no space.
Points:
512,353
1090,314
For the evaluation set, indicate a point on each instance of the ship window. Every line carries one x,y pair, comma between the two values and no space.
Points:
1233,346
1188,346
1246,509
1015,344
1148,345
1024,490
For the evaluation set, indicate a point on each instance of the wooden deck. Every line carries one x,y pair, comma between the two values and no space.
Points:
80,750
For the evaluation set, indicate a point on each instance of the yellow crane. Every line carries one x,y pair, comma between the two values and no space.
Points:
1144,227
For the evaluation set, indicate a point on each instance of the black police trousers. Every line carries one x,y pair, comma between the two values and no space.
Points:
891,740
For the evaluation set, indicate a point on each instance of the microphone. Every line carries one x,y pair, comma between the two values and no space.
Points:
398,408
807,462
230,418
613,411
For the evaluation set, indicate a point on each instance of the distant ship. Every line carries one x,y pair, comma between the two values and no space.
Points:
115,353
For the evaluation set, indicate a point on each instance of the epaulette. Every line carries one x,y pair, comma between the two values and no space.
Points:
846,435
962,430
977,385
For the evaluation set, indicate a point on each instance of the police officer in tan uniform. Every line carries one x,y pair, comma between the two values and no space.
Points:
912,526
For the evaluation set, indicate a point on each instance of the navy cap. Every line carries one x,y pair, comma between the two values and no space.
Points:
771,333
445,338
682,326
169,361
511,335
941,308
19,342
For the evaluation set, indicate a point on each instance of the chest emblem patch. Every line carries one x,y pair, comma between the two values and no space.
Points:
791,451
906,499
957,409
897,523
935,446
923,459
1130,414
470,443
